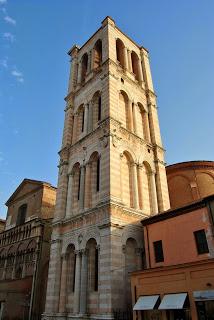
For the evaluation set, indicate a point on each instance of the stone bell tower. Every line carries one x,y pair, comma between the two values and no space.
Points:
111,176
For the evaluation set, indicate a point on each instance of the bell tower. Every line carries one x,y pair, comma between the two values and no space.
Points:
111,176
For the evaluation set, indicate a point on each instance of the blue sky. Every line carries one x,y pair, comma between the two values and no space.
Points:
34,68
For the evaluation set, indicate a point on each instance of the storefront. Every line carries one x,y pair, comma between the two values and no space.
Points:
185,292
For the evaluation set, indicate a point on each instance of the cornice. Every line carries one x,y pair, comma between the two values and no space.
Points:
190,165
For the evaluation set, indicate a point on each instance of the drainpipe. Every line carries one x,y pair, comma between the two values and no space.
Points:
148,248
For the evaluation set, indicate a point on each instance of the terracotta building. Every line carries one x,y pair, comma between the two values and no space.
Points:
179,281
190,181
24,250
111,175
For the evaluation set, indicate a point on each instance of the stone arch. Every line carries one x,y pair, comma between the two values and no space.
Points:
120,52
89,235
97,54
179,190
124,112
135,65
205,181
84,66
97,108
93,261
137,236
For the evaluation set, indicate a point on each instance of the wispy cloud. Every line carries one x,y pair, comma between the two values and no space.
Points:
18,75
4,63
10,20
3,1
9,36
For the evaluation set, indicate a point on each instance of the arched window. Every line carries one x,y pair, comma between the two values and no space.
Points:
135,65
120,52
22,211
76,186
142,122
80,121
97,54
94,181
93,261
97,109
123,111
84,67
127,179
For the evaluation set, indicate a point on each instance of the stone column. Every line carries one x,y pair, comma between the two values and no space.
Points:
135,186
130,116
140,172
84,277
92,59
63,287
146,126
125,57
135,106
69,196
79,72
130,61
87,185
76,302
24,266
89,63
140,72
4,270
62,187
153,193
68,126
82,186
85,129
54,273
14,268
74,134
90,116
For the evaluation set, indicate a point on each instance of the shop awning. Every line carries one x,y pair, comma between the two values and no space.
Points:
205,295
146,303
173,301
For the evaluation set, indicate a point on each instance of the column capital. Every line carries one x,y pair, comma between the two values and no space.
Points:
84,252
98,247
77,252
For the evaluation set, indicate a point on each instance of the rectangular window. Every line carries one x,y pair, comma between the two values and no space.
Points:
201,241
158,250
